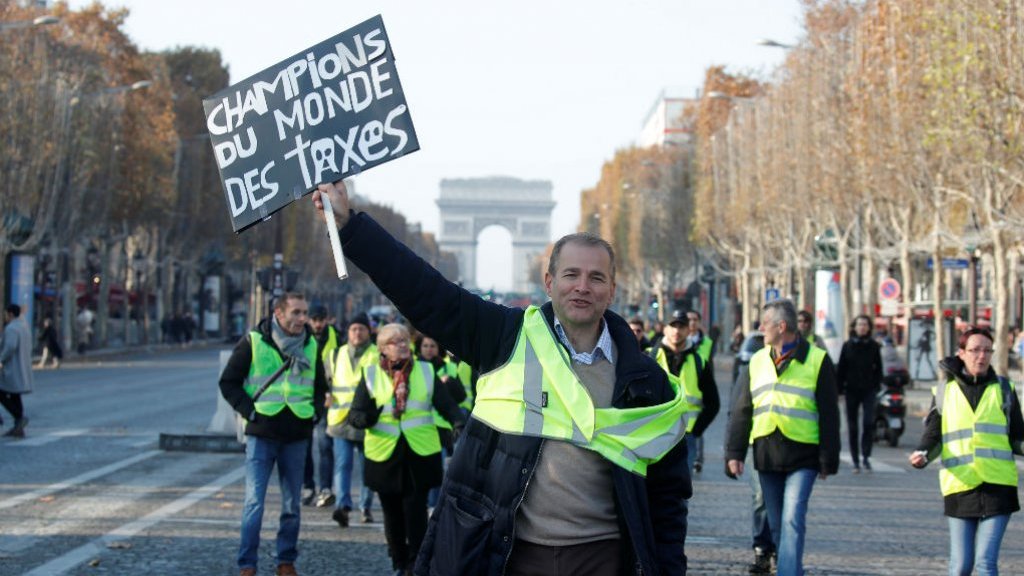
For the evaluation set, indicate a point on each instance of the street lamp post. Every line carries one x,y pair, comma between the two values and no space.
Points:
972,288
35,22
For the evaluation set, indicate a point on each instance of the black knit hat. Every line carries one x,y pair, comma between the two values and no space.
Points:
361,319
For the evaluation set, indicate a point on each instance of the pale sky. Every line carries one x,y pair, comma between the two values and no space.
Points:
544,90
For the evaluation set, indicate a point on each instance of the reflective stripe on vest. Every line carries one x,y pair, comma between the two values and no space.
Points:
785,402
416,423
345,380
536,393
688,377
975,443
292,390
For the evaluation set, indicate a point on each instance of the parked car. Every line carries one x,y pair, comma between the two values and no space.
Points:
752,343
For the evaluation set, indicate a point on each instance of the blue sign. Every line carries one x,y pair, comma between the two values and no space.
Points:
951,263
771,294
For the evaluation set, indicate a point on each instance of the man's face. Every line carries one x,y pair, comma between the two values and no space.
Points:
582,287
772,329
675,334
318,325
693,322
293,317
358,334
638,331
8,317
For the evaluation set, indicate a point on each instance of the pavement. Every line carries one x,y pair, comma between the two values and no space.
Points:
89,493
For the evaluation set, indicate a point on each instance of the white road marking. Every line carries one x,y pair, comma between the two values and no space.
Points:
48,438
80,479
66,562
845,466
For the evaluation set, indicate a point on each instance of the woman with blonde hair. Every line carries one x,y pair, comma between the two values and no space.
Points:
394,403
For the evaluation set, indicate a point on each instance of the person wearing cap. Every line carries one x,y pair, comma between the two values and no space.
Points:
320,469
573,454
349,361
681,357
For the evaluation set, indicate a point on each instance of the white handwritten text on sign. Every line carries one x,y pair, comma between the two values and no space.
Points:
331,111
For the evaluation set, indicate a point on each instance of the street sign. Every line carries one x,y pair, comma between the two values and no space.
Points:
328,112
771,294
889,308
889,289
951,263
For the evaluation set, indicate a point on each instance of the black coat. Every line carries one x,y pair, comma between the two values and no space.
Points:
285,425
473,527
775,452
987,499
390,476
860,367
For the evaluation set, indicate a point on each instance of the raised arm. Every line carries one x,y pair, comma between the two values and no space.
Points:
480,332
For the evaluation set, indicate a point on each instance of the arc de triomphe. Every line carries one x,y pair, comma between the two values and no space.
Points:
523,207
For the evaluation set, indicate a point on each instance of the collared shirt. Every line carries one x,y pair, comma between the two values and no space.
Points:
603,348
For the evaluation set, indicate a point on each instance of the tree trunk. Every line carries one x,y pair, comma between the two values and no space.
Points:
103,306
940,334
1001,308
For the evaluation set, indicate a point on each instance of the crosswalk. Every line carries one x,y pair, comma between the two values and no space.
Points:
43,437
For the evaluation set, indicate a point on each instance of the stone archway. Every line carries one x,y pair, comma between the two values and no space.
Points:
523,207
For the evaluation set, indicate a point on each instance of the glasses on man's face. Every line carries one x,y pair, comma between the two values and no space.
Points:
980,351
398,343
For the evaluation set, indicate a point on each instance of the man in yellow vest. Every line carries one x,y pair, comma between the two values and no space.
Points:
320,470
573,454
349,362
705,348
787,408
275,380
680,358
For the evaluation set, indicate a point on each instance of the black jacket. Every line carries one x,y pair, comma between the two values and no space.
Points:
775,452
285,425
987,499
860,367
389,476
473,527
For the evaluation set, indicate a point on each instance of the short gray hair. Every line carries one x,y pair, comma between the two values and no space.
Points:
583,239
782,310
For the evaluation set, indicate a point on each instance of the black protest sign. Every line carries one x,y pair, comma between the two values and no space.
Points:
328,112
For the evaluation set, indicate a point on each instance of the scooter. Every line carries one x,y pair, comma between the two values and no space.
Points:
890,409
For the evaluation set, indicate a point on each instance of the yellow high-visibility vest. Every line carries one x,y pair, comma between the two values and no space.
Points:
447,369
688,376
704,349
327,352
292,390
416,423
465,372
536,393
975,443
345,379
785,402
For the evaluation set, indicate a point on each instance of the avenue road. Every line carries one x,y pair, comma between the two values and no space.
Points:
89,492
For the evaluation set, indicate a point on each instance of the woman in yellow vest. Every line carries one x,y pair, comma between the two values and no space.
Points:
394,403
975,426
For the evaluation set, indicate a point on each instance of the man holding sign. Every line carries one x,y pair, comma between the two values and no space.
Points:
572,456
